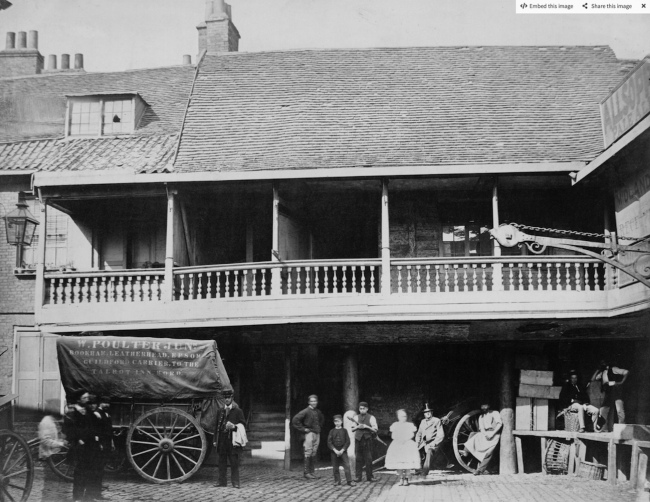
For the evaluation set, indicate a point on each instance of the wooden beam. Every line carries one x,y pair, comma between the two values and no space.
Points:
520,455
39,291
168,287
508,460
350,380
542,446
634,464
385,240
642,471
287,408
611,462
572,458
276,279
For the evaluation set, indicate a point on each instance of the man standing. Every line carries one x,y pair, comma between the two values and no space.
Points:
310,421
483,443
574,397
429,436
365,430
611,379
229,419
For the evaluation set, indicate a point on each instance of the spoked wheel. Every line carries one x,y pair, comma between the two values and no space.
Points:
166,445
62,463
16,468
466,426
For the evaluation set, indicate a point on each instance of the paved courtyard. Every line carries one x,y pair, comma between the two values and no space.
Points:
260,483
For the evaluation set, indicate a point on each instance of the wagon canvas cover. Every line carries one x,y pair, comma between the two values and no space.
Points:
141,368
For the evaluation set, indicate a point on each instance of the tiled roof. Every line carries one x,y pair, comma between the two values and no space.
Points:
137,154
33,107
392,107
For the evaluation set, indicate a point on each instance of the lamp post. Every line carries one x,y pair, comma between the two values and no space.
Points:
20,226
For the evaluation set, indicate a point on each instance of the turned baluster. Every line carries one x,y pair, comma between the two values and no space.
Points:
298,280
445,271
344,279
263,284
578,274
465,276
418,279
353,287
567,275
326,278
372,279
335,280
399,279
316,281
307,280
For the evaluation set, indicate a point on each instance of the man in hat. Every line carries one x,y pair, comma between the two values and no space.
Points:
429,437
574,397
310,422
365,431
229,418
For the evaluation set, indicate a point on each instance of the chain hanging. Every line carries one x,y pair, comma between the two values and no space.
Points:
574,232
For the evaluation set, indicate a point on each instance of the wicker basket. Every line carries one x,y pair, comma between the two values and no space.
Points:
556,459
571,421
591,470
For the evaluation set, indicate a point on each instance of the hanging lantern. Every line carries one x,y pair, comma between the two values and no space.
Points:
20,225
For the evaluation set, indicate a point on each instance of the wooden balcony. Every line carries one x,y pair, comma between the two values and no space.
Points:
330,291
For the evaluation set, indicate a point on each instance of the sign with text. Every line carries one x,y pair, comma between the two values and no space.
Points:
140,368
627,104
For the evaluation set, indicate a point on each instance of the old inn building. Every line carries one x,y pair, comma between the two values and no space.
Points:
323,215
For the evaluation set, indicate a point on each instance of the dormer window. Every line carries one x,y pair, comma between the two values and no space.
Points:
104,115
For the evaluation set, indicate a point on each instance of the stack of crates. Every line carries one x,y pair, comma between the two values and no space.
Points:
535,409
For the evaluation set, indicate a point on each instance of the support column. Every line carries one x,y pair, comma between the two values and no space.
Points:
350,380
39,293
385,240
287,408
168,286
276,280
642,374
508,458
497,268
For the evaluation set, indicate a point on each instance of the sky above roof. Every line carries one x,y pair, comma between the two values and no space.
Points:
125,34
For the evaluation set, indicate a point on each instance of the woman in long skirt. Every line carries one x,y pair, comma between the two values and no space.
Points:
403,453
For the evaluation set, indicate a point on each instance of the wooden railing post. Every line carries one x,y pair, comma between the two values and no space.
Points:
385,240
168,284
39,296
497,268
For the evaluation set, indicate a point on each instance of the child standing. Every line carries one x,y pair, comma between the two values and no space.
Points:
402,453
338,442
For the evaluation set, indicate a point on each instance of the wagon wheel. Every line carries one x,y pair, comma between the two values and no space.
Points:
16,468
62,463
166,445
465,427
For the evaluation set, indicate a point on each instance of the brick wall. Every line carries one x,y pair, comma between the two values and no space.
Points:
16,293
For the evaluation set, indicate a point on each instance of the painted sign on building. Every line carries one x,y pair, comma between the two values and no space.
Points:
627,104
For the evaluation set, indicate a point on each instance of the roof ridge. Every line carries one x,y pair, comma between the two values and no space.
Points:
74,73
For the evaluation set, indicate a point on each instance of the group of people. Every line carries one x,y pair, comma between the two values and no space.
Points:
607,380
88,428
403,453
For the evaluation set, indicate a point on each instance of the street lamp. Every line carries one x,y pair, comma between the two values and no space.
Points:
20,225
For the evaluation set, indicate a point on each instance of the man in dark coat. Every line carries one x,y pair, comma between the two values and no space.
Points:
102,424
310,422
574,397
229,419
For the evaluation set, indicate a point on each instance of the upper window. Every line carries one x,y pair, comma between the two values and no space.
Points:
104,115
56,242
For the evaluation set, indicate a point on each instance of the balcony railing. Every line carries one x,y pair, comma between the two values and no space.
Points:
331,277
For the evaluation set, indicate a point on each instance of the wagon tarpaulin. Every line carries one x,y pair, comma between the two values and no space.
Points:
141,368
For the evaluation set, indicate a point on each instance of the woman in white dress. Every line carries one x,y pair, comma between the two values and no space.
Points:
403,453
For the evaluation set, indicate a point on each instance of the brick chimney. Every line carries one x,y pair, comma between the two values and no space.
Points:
21,57
217,33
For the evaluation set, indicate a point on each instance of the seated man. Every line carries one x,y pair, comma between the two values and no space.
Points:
483,443
430,435
574,397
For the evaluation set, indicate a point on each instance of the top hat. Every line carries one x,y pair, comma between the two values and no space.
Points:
426,408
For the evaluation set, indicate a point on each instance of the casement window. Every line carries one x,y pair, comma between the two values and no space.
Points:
465,239
103,115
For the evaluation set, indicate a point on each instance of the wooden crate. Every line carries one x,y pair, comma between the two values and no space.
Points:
536,377
539,391
532,414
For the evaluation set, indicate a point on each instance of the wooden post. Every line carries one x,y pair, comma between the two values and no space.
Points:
611,462
642,374
634,464
520,455
168,286
497,268
572,458
350,381
39,296
542,447
385,240
287,408
642,471
508,460
276,279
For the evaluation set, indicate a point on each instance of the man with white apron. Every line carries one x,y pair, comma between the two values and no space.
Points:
483,443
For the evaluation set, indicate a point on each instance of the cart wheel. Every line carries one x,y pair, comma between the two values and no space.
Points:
16,468
465,427
62,463
166,445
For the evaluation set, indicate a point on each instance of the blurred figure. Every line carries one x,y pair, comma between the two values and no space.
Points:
483,443
611,379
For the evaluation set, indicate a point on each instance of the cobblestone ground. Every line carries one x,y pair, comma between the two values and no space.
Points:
260,483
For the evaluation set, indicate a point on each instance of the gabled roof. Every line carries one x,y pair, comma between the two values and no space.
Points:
33,107
393,107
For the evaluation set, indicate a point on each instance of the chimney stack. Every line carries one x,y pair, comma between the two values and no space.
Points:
217,33
32,42
21,57
11,41
65,61
78,61
51,62
187,59
22,40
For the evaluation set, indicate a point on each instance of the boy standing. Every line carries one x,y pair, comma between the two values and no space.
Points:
338,442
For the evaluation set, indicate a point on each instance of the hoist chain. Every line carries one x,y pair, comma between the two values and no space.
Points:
572,232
